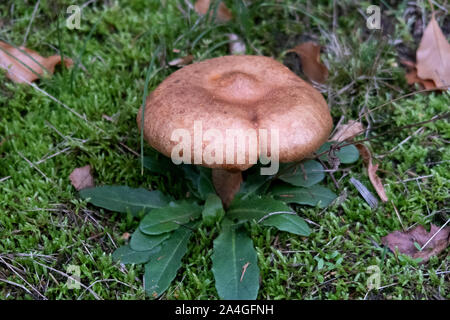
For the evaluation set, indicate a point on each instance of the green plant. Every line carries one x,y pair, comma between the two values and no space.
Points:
166,224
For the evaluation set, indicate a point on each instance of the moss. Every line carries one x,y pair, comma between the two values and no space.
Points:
43,222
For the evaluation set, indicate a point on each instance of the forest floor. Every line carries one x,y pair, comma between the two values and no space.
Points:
46,229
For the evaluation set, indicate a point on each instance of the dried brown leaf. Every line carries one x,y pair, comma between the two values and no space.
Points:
82,178
372,171
433,55
26,65
412,77
223,13
313,68
404,242
348,131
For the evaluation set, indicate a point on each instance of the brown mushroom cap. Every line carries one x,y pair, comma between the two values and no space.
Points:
238,92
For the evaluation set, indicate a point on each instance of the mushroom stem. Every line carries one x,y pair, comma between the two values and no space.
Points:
227,184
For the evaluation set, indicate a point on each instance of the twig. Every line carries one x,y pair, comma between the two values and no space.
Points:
434,235
11,267
404,141
5,178
17,285
416,178
129,149
342,144
53,155
31,22
34,166
244,268
275,213
84,5
105,280
398,215
330,172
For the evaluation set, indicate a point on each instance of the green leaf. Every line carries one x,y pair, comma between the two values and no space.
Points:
205,184
213,210
320,263
314,195
254,183
126,255
200,180
158,163
160,272
169,218
142,242
304,174
417,245
255,208
347,154
235,265
288,222
124,199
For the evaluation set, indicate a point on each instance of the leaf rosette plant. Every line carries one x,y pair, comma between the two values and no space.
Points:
229,196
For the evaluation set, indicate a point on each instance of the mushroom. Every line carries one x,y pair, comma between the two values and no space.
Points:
190,114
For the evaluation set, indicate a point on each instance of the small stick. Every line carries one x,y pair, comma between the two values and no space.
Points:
434,235
330,172
398,215
31,22
33,166
244,268
275,213
5,178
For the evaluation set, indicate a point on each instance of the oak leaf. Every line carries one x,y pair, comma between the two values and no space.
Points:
223,13
313,68
348,131
433,55
418,243
24,65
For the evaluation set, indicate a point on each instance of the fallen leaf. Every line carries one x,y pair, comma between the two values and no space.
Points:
82,178
26,65
237,46
223,13
372,171
181,62
405,242
348,131
412,77
313,68
433,55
